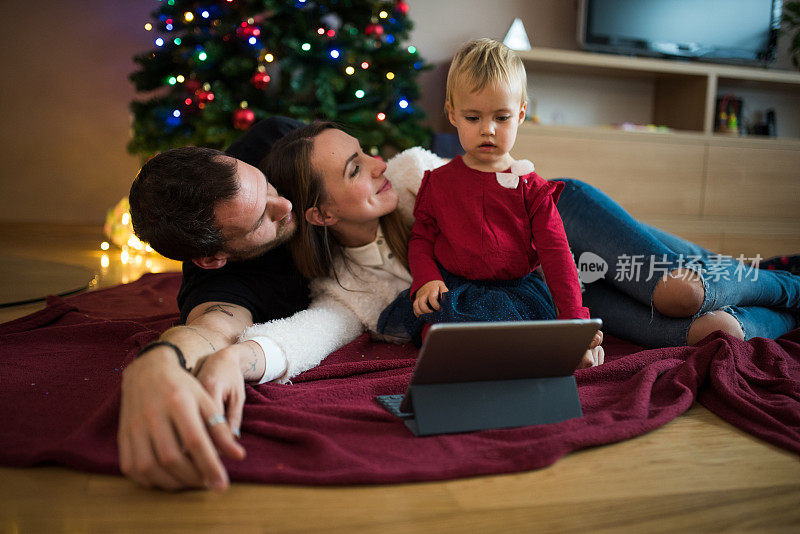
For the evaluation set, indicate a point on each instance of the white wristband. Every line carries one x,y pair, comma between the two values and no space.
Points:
274,359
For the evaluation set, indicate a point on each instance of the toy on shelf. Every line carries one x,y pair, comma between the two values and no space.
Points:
729,115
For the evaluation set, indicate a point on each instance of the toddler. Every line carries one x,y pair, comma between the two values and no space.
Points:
484,222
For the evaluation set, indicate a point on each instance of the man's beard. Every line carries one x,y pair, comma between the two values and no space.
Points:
283,233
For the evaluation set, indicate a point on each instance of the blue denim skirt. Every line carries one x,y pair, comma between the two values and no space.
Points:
523,299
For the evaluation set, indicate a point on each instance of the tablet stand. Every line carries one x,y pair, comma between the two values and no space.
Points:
468,406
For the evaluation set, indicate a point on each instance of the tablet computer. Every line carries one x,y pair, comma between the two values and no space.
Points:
497,351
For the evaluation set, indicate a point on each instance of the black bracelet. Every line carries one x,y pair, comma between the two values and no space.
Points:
173,346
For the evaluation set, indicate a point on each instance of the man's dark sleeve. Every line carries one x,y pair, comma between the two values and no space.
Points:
255,144
269,286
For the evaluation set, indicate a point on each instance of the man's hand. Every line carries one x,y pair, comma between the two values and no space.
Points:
167,430
595,355
170,427
427,297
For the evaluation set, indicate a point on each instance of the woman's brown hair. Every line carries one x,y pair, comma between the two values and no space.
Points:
289,168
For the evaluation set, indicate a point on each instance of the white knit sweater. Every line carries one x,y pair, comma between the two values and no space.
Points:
341,311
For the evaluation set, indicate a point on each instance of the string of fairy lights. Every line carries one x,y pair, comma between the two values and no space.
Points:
119,231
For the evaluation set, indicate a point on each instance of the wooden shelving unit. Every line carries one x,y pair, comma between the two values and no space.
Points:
684,92
728,193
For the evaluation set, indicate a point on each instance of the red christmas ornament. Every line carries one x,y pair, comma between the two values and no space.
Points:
402,7
376,29
245,31
243,119
260,80
205,96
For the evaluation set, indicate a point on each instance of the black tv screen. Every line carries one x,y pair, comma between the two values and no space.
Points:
725,31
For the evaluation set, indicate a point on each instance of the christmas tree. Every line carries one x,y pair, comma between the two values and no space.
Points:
220,65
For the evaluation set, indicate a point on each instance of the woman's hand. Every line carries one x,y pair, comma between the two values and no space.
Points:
595,355
221,375
427,298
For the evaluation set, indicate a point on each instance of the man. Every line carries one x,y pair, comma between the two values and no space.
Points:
217,213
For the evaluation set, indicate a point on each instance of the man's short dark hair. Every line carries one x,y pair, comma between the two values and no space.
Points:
173,198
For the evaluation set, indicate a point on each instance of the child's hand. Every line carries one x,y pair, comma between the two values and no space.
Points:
595,355
427,298
598,340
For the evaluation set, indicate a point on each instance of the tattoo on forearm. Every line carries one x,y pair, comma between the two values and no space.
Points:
255,358
219,308
196,331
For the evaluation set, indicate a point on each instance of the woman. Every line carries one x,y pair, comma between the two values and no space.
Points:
352,239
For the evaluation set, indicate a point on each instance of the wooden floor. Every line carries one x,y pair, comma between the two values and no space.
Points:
697,473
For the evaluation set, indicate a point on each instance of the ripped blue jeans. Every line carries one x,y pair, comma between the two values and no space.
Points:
636,256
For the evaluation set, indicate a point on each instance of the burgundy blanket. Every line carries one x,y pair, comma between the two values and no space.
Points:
60,387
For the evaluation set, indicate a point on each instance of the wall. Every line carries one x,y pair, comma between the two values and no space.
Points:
64,91
65,96
549,24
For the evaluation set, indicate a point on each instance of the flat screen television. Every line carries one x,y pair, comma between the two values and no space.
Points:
723,31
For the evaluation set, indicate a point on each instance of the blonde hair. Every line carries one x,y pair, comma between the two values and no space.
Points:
485,62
